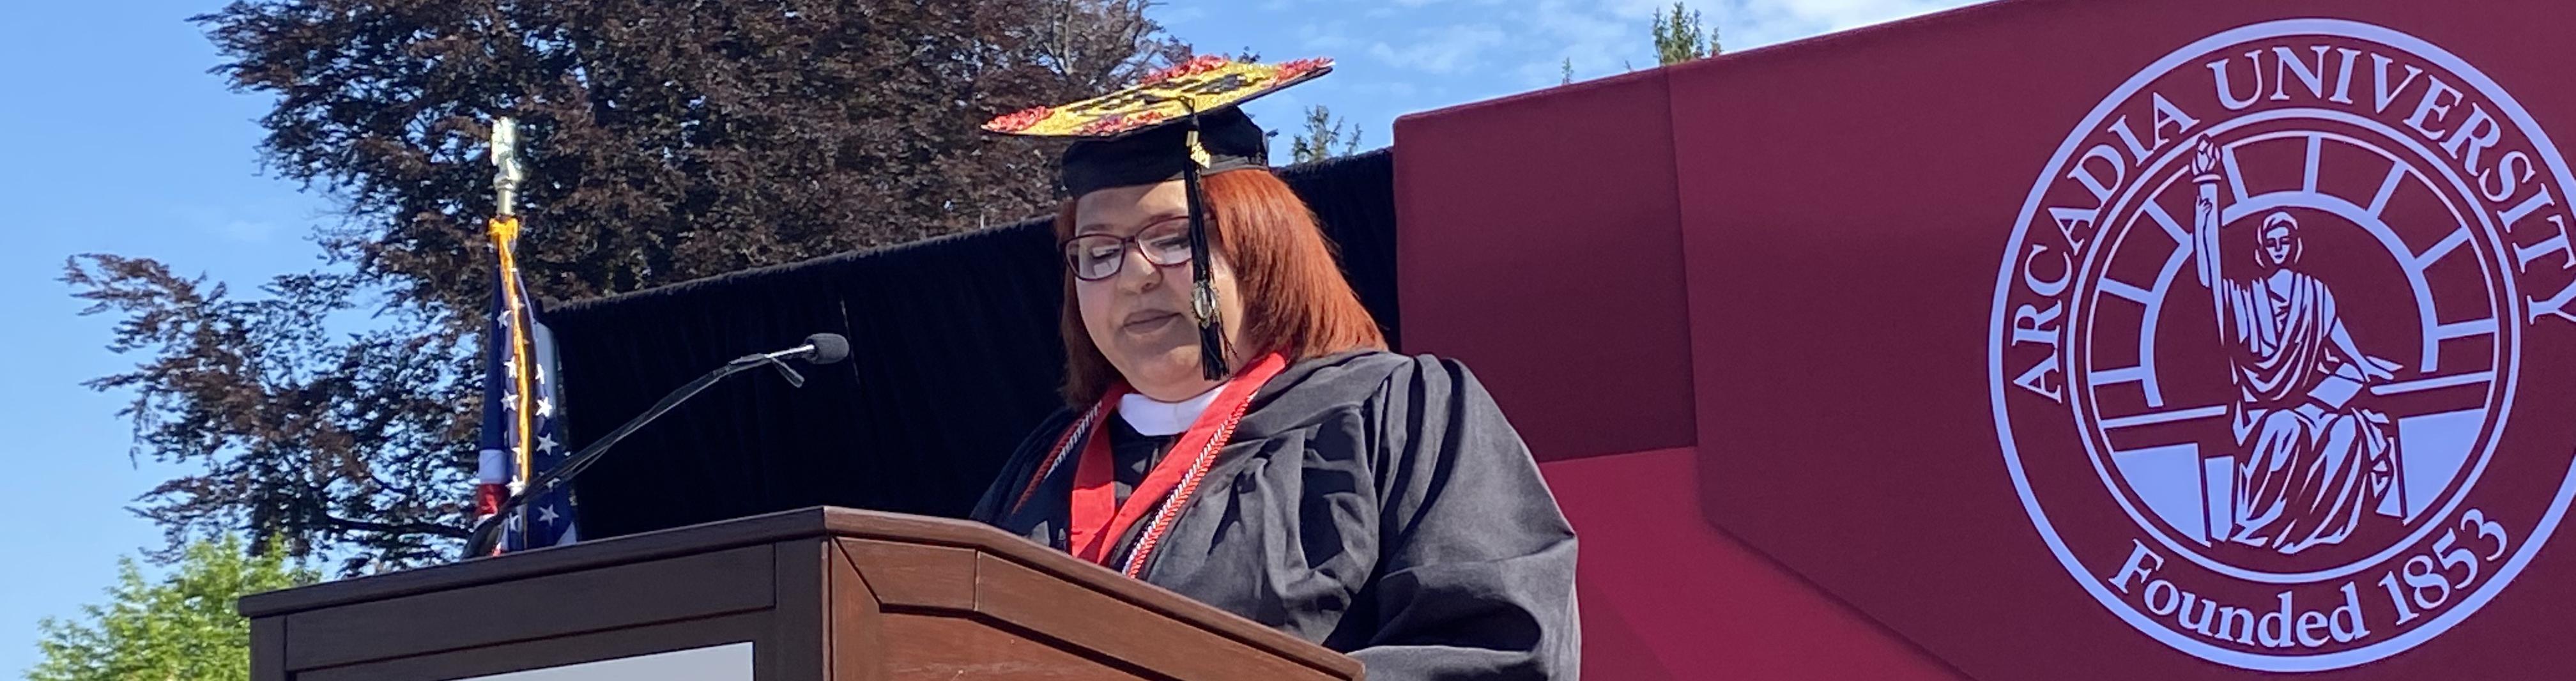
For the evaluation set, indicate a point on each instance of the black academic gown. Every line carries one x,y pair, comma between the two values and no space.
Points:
1370,502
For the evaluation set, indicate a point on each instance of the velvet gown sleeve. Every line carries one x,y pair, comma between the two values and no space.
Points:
1377,504
1475,574
1004,492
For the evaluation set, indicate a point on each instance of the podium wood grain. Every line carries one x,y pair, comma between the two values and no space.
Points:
822,594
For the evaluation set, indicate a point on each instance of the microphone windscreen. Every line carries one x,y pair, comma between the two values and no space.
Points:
829,348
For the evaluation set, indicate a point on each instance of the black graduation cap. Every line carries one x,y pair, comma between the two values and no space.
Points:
1180,123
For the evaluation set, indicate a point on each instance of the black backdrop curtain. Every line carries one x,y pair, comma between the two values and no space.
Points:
954,357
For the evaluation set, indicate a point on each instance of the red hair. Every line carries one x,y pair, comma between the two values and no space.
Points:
1295,301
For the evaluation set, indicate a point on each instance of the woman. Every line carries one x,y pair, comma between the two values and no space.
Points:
1373,503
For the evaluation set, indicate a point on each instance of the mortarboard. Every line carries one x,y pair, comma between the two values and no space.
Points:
1180,123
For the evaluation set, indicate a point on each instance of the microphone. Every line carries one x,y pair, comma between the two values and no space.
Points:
819,349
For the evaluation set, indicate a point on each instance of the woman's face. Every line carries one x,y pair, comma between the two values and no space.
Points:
2278,240
1140,317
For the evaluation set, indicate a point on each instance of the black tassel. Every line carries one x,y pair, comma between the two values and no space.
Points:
1212,353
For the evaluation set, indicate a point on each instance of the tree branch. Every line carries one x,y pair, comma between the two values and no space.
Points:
433,529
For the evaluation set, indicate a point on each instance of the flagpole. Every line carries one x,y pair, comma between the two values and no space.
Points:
507,171
504,230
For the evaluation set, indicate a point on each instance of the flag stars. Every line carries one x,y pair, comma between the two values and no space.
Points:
521,381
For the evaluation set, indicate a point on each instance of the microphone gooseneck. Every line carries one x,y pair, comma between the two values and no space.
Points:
821,348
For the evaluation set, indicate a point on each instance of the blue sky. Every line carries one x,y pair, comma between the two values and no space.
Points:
120,142
1401,56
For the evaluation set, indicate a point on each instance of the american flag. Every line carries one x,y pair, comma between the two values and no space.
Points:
522,412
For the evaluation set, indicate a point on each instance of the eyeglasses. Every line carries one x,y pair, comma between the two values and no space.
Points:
1093,257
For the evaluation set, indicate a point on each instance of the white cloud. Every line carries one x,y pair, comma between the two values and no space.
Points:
1330,37
1392,88
232,223
1444,49
1746,24
1402,56
1181,15
252,231
1607,36
1599,37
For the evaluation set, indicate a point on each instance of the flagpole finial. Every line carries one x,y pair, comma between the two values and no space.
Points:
509,172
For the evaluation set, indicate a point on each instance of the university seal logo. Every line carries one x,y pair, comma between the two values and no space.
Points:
2283,360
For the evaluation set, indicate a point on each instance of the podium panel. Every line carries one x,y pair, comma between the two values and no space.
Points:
718,663
813,595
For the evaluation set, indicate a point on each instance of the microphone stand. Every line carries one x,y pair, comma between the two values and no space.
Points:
487,533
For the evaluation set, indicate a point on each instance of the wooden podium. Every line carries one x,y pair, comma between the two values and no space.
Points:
816,594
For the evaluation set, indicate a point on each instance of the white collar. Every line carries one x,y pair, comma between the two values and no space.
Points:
1156,418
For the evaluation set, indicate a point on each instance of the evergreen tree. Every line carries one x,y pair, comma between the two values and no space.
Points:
664,141
1682,36
1322,138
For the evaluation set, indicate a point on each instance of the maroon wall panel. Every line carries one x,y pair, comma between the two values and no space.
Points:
1545,253
2042,339
1866,217
1665,595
